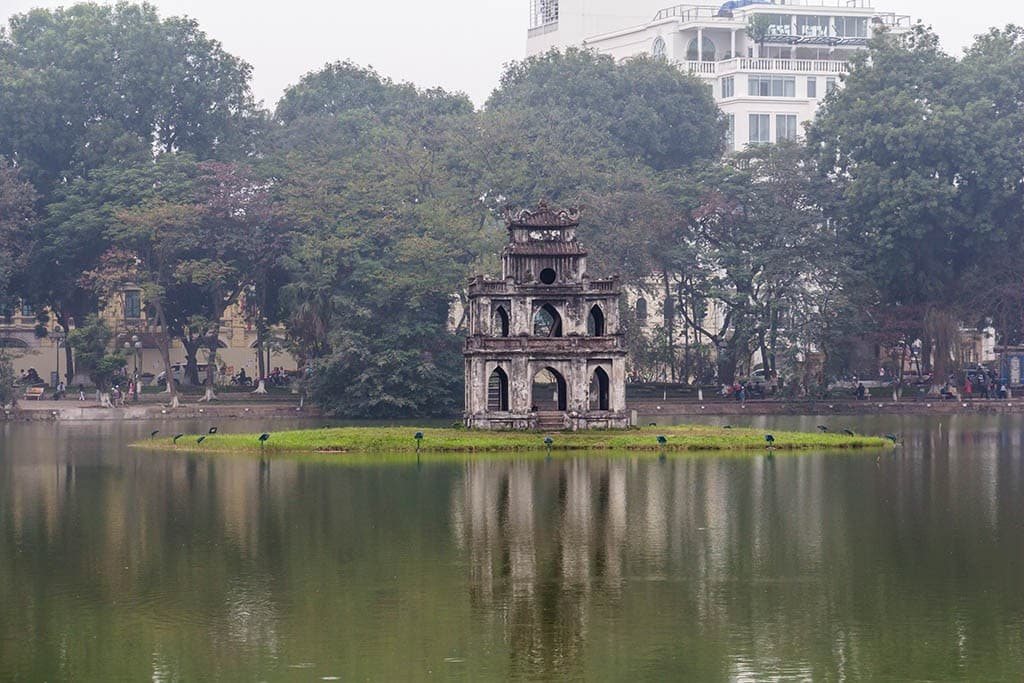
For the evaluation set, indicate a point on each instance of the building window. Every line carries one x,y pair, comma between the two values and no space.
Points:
26,310
730,131
771,86
851,27
779,24
641,310
812,86
133,304
785,127
543,12
815,27
728,87
830,84
708,52
658,48
760,132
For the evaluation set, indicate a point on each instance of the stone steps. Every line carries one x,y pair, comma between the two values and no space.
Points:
550,420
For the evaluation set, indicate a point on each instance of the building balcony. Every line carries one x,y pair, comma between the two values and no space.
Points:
752,65
571,344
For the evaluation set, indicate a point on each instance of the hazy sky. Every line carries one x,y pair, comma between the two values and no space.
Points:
455,44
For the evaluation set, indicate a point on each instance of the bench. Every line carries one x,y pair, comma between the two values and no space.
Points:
35,392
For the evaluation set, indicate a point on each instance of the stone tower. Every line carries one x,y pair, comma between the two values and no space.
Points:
544,350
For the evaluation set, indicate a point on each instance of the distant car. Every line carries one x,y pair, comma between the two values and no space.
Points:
178,372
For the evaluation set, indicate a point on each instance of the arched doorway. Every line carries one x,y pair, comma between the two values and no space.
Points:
595,322
547,322
500,322
497,391
600,386
549,390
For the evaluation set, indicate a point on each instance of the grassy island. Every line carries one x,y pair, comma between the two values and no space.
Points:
401,440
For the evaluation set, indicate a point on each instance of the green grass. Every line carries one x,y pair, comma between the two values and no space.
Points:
400,440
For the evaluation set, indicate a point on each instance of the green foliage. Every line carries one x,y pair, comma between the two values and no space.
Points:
92,343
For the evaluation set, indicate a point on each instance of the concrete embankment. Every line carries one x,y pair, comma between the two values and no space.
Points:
683,408
74,411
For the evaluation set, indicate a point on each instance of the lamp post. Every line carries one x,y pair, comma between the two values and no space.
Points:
134,346
58,342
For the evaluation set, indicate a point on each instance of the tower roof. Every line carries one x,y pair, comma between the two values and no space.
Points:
542,217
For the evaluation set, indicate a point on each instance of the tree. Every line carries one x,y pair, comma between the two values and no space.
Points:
751,250
90,87
91,342
17,222
926,187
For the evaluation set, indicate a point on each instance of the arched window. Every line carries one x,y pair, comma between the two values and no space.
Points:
595,322
658,47
549,390
500,322
547,322
497,391
708,51
599,390
641,310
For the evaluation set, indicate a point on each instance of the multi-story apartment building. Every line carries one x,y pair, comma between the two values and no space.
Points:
769,62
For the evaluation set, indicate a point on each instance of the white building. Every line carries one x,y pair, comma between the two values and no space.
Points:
767,89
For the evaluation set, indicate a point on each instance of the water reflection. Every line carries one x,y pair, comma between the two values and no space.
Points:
119,564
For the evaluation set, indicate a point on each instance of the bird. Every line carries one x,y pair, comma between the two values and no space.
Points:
652,424
662,440
848,432
891,437
263,437
213,430
727,427
770,439
822,428
176,437
154,433
200,439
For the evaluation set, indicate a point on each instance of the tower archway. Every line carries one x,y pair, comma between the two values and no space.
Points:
497,391
600,390
547,322
549,390
595,322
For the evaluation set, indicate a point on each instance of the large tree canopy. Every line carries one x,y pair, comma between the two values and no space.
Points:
926,158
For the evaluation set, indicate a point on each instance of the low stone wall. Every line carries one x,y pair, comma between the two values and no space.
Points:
650,407
69,411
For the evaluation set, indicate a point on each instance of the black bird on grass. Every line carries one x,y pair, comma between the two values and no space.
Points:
822,428
662,440
891,437
263,437
154,433
727,427
848,432
200,439
176,437
213,430
770,439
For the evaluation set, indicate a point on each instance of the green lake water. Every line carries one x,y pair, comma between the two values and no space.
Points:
118,564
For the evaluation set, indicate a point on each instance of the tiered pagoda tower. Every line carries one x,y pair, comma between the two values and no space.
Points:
545,350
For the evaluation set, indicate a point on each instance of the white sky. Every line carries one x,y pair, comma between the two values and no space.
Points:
456,44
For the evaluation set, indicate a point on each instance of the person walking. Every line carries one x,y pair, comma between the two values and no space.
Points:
81,392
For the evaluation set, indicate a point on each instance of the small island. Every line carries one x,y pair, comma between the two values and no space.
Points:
341,440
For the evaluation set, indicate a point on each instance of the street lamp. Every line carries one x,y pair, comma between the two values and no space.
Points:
134,346
58,342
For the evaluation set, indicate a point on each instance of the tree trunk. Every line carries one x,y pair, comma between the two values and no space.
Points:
261,388
163,342
669,313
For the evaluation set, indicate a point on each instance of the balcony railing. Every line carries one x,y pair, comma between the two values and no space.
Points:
692,12
745,64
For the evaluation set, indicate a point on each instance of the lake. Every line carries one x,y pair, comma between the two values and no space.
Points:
119,564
